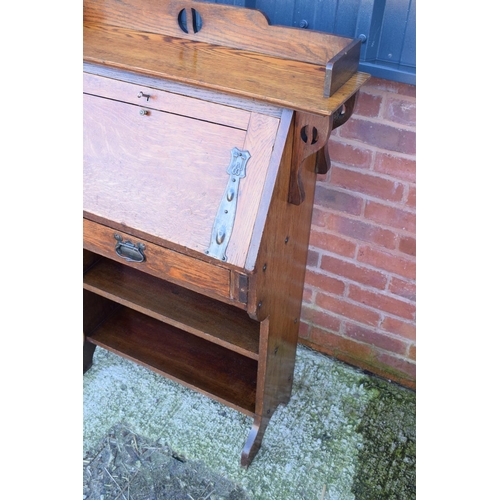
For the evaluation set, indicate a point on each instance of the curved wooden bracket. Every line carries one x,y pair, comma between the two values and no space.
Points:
339,118
311,134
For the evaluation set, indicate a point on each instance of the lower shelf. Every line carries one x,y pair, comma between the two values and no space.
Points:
209,368
197,314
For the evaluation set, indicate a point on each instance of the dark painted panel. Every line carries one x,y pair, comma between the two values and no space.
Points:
409,44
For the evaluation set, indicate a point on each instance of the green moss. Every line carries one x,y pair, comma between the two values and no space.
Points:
386,461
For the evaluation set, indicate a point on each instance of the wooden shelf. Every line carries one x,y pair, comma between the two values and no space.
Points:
187,359
214,321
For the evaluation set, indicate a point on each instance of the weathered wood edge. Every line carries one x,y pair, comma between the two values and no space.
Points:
265,202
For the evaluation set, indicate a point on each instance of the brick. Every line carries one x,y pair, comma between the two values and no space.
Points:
334,342
312,258
382,302
401,365
332,243
408,245
403,288
304,330
412,352
323,177
405,267
391,216
395,326
360,230
324,282
353,272
355,312
320,318
400,111
375,85
334,199
412,197
307,296
378,339
368,105
358,157
319,217
369,184
395,166
379,135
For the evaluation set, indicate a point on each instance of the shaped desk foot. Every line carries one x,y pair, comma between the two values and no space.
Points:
254,440
88,354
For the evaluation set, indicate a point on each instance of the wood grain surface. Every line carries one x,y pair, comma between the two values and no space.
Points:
197,314
162,173
190,360
260,142
287,83
182,89
165,174
275,291
165,101
173,266
235,27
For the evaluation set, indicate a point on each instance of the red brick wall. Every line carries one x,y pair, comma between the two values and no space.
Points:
359,297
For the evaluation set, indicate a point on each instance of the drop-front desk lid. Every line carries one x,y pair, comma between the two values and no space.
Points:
180,169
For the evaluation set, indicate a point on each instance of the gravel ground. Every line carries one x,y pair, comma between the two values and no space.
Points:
344,435
130,466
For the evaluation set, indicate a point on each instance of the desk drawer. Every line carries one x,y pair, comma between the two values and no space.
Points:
158,261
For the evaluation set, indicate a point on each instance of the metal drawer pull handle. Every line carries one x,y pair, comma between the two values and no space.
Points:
144,112
128,251
142,94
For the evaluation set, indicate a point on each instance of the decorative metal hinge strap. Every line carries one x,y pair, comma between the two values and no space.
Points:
224,220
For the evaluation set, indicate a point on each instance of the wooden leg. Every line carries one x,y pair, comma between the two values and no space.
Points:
254,440
95,310
88,354
287,393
